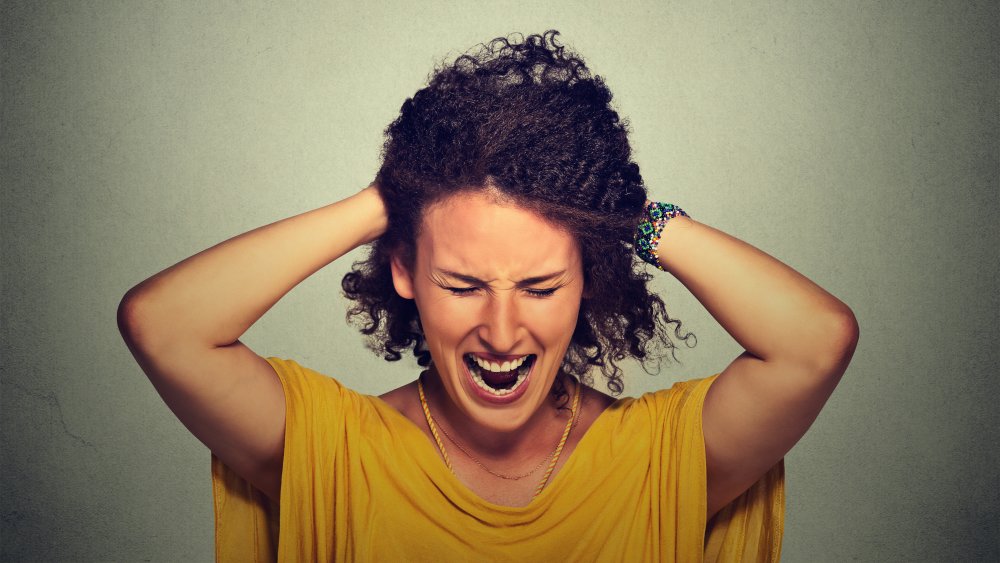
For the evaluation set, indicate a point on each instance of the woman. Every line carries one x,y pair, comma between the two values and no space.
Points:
506,226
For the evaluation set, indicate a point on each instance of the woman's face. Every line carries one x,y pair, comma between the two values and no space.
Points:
498,289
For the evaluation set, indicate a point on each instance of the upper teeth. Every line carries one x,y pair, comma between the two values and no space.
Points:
493,366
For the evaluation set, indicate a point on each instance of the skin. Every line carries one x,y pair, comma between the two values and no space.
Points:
184,323
474,235
798,339
499,245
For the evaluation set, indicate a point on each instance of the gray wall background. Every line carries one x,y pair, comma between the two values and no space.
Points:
855,141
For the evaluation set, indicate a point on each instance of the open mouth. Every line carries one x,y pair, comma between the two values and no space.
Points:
499,378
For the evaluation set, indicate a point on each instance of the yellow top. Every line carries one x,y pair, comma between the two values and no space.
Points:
361,482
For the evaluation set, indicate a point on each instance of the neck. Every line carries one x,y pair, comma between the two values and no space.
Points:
490,443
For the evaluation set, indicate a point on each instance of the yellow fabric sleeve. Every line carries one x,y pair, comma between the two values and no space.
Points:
246,521
748,529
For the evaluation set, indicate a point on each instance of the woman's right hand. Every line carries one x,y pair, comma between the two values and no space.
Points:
183,327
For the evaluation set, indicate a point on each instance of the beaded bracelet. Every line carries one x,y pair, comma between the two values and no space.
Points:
647,234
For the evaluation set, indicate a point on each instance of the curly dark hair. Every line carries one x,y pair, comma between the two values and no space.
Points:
522,116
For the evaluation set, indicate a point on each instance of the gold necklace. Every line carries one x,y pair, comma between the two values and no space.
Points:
487,469
554,455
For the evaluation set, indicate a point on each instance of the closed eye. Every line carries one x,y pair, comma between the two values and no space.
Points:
469,290
542,292
461,290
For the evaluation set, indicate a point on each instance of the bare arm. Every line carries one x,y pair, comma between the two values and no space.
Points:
183,325
798,339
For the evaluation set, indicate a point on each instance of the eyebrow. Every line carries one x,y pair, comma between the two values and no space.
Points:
521,283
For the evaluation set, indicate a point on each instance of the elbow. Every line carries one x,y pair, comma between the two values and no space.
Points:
842,334
136,329
847,330
129,317
126,317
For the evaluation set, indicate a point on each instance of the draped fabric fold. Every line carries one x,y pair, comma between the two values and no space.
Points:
361,482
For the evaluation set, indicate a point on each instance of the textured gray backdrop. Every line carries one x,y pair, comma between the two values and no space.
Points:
857,142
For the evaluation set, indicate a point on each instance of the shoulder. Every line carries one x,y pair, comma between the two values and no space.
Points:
593,403
688,393
292,370
305,387
672,407
405,400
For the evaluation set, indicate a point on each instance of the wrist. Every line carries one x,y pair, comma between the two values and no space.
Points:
651,229
370,200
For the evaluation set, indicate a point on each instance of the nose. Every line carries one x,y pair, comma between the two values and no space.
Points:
500,326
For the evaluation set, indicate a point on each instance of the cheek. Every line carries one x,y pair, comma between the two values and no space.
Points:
553,322
445,319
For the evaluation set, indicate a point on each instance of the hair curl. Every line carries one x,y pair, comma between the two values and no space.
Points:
525,118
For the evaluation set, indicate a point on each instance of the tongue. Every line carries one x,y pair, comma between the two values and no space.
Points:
504,380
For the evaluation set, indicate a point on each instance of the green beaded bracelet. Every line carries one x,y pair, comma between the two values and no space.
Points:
647,234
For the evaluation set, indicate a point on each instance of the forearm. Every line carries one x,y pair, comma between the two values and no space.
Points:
771,310
213,297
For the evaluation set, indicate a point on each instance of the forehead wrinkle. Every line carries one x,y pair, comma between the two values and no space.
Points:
530,280
461,258
501,241
446,258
